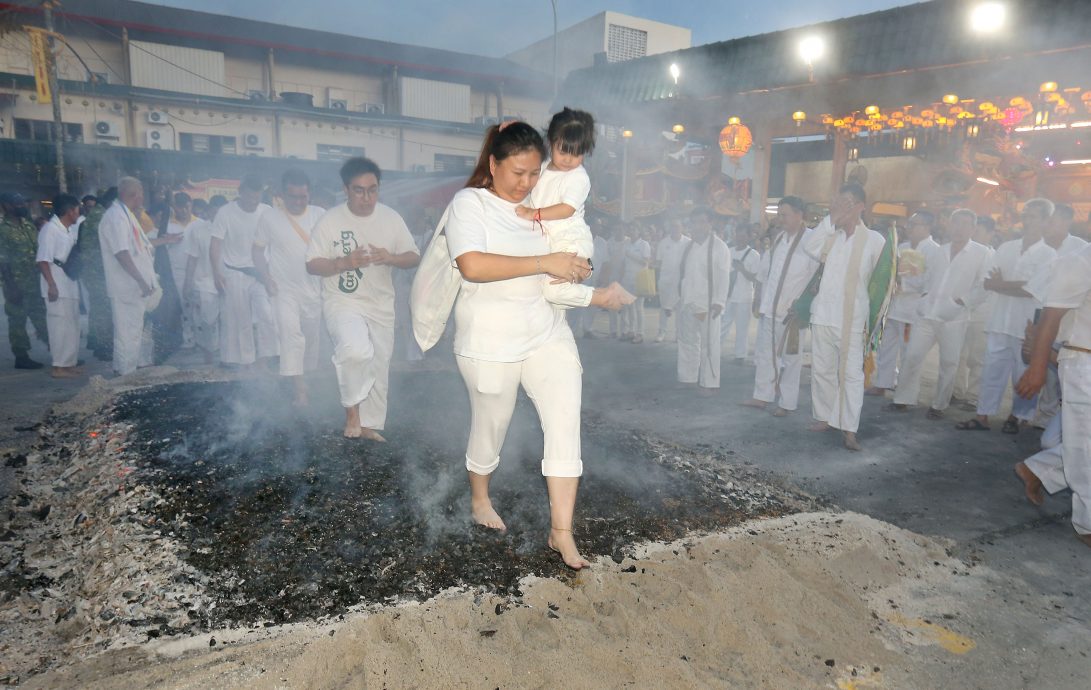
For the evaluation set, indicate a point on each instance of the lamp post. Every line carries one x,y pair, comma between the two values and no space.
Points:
58,123
626,136
554,4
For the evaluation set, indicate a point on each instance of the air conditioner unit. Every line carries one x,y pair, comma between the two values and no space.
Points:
373,108
159,139
253,141
157,117
257,95
104,129
336,99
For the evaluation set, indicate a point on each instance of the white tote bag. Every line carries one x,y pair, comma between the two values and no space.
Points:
435,288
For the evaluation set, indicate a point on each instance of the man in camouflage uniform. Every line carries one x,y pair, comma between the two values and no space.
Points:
100,333
20,277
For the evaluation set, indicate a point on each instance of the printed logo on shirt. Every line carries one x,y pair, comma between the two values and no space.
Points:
350,280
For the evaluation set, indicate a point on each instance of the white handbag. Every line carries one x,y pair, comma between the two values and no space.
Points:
435,288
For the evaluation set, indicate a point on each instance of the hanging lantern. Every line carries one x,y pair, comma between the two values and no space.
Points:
678,129
1048,87
827,119
799,117
735,139
909,143
987,107
950,99
734,120
872,111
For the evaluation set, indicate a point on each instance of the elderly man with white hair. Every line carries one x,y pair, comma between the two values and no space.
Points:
127,257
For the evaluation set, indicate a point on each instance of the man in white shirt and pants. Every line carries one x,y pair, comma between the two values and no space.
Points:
246,307
706,271
740,299
839,313
1014,264
956,284
199,289
1069,299
130,276
60,292
785,272
354,248
902,315
668,257
280,258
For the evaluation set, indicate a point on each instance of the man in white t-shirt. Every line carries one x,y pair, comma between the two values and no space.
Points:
199,288
668,258
130,276
740,298
61,292
354,248
280,258
246,307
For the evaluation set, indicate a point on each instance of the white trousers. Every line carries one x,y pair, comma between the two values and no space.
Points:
789,366
698,348
298,324
632,318
892,349
840,408
247,325
62,320
971,361
1066,461
925,335
553,379
361,356
206,320
737,313
133,344
1003,363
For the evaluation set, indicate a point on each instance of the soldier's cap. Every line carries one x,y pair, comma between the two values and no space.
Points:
12,198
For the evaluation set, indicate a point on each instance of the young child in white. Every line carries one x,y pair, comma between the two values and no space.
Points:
557,201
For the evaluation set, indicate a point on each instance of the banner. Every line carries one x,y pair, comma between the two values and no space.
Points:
39,51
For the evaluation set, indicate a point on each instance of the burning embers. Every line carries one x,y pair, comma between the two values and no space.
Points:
289,520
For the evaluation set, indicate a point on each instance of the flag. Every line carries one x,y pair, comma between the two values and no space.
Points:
39,51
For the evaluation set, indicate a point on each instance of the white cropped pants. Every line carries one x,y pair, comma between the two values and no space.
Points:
361,357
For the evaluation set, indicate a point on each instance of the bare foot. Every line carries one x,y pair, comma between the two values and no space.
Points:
875,391
818,427
484,515
754,402
850,441
352,422
781,412
562,541
371,435
1085,538
1031,483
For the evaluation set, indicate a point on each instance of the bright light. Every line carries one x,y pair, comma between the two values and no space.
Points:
988,17
675,72
1083,123
987,181
678,129
1077,161
811,48
626,134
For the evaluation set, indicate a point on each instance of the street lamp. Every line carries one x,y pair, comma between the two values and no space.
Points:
988,17
811,48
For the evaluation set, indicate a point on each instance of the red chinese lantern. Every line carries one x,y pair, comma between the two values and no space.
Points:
735,140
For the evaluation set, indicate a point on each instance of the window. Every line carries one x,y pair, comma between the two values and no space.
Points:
625,43
42,130
448,162
207,143
335,153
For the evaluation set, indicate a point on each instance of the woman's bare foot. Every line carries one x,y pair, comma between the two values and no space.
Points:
562,541
352,422
1031,483
371,435
484,515
818,427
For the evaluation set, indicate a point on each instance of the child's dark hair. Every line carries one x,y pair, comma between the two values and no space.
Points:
513,139
573,132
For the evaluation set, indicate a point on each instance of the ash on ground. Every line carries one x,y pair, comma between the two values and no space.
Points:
289,520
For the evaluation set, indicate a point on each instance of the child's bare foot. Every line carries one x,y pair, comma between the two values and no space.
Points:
484,515
562,541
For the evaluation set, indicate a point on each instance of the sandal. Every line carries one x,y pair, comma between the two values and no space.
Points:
1011,426
972,425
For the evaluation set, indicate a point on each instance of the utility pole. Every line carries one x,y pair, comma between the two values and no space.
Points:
58,124
554,3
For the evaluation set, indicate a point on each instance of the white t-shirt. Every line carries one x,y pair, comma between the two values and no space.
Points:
198,238
55,242
177,252
669,255
369,290
119,231
1071,289
742,292
286,251
504,320
236,228
961,277
1010,314
569,187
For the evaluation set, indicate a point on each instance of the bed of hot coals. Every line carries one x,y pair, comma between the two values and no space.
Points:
191,506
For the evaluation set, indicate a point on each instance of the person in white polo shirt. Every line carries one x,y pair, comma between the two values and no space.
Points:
60,291
354,248
280,258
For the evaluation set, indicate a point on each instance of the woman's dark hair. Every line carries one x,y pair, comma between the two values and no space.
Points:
515,138
573,132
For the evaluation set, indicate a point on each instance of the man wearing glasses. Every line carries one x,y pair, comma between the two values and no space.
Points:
1014,263
354,248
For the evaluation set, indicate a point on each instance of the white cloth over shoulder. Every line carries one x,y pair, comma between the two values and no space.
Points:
119,232
828,307
796,275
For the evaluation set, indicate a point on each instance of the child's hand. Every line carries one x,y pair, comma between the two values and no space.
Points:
525,212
